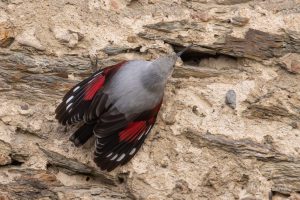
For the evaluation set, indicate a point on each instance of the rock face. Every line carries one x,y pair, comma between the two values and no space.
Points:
69,37
6,34
28,38
246,54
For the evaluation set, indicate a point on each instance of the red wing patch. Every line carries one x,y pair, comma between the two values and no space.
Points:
118,151
71,110
116,146
132,131
93,87
114,68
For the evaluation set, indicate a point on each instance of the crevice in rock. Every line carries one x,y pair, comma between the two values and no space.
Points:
276,194
71,167
193,56
115,50
51,168
16,162
20,130
122,177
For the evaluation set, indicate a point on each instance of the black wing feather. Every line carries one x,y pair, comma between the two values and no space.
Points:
110,151
71,110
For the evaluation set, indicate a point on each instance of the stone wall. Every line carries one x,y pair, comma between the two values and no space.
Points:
201,147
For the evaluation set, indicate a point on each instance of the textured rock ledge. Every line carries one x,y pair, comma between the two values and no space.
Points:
61,163
282,169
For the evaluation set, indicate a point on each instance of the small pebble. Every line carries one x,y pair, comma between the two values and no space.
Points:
24,107
195,110
231,99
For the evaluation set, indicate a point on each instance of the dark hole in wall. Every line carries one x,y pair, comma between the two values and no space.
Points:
51,168
274,194
48,166
16,162
193,57
122,177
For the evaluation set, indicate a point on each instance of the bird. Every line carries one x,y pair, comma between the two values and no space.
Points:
119,105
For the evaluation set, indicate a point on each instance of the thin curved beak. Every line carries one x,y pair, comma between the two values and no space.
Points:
184,50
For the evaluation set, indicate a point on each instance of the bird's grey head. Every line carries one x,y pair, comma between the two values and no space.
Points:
160,69
166,63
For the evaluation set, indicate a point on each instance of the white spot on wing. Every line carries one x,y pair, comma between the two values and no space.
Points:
98,73
69,99
145,133
98,143
113,158
140,136
75,89
121,157
98,152
69,106
109,155
148,130
132,151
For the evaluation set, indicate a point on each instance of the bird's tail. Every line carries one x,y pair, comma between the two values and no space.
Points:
82,135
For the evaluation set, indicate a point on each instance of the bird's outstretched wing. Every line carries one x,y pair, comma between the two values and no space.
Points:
77,101
119,138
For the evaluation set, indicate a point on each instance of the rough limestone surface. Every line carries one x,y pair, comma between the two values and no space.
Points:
200,148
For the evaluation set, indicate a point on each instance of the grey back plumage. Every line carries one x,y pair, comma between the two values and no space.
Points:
139,85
